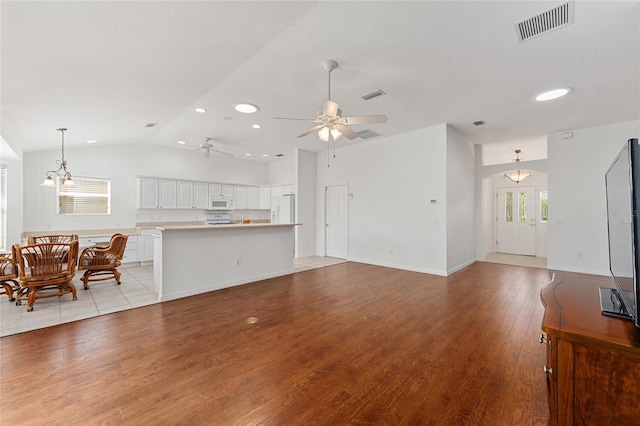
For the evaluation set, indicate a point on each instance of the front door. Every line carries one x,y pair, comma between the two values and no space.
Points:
336,221
516,221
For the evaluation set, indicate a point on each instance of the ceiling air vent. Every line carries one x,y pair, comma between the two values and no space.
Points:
546,21
367,134
479,123
151,125
373,95
279,155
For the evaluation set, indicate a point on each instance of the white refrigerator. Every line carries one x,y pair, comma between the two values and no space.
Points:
283,209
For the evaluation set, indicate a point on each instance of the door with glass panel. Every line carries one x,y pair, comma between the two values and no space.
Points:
516,221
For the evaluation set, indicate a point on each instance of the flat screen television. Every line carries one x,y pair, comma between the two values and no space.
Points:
622,182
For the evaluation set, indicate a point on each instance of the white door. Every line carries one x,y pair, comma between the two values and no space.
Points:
336,221
516,220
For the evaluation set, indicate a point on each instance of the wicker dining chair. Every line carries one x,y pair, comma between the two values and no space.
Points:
101,263
37,239
8,276
46,266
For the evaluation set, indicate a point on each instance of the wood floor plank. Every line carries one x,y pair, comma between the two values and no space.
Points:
348,344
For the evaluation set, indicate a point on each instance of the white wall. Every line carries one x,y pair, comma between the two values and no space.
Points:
392,181
10,158
305,203
283,172
577,201
123,163
460,201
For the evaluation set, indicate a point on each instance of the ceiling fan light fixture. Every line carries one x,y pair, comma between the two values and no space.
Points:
335,133
246,108
201,110
323,134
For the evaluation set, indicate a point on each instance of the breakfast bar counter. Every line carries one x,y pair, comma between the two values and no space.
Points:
194,259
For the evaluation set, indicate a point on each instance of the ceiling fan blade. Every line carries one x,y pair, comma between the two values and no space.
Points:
346,132
288,118
365,119
329,108
311,130
217,151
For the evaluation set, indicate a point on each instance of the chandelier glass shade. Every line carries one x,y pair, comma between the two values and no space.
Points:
61,171
518,175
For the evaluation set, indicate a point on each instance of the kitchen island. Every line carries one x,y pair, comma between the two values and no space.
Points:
194,259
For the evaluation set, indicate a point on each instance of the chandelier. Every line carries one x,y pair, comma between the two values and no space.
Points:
61,172
517,176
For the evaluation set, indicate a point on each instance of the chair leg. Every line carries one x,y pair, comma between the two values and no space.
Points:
116,273
32,298
8,288
85,279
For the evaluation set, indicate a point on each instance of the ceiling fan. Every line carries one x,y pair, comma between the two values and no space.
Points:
208,148
332,124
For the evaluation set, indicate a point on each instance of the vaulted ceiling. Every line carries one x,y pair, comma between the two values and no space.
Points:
107,69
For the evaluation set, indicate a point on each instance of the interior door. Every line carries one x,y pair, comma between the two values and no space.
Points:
336,221
516,220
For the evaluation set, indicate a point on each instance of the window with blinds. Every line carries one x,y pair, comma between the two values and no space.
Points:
3,207
90,196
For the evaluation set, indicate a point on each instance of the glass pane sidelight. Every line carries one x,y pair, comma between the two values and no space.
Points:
508,206
544,206
522,207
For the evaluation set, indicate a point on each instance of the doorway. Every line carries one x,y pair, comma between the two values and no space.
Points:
336,228
516,221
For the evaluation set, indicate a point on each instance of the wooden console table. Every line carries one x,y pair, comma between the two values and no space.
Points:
593,361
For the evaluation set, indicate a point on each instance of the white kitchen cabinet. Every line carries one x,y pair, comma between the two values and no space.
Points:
185,194
239,197
220,190
131,250
287,189
146,245
264,201
253,197
228,191
200,195
167,194
147,193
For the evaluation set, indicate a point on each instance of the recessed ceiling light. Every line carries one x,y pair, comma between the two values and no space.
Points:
182,142
201,110
552,94
92,141
248,155
256,126
246,108
265,155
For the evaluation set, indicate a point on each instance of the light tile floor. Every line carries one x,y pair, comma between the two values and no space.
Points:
514,259
137,289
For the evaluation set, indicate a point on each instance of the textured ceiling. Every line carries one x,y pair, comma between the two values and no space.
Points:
106,69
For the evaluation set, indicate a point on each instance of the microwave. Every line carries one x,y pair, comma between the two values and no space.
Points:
219,203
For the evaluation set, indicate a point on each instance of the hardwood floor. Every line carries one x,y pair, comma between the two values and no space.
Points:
348,344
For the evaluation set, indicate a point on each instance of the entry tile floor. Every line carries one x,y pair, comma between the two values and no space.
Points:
104,297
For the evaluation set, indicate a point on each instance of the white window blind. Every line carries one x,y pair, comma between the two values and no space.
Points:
3,207
90,196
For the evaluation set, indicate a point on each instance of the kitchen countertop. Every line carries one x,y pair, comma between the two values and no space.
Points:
220,227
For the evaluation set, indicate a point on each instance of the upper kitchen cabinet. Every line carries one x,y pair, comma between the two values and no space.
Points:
167,191
239,197
264,198
185,194
192,195
220,190
253,197
200,195
147,193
